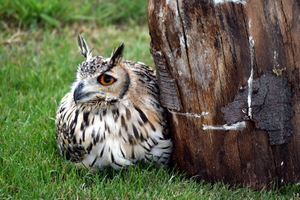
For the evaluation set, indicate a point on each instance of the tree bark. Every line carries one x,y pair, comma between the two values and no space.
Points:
229,75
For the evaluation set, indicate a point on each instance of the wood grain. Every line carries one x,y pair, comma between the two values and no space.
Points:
208,51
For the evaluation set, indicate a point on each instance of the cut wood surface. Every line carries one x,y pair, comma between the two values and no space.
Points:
229,75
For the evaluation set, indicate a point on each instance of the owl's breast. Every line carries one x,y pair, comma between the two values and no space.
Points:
114,134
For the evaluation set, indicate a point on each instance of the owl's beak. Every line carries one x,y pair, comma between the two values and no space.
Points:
77,95
80,95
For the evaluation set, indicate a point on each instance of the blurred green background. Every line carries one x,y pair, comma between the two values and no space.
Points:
33,13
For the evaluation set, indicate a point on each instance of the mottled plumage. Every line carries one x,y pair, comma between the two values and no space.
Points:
112,115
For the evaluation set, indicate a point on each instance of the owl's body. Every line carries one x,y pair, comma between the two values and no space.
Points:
112,115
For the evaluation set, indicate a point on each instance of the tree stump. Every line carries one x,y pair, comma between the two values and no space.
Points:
229,75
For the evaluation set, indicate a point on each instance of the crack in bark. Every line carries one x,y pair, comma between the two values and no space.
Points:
186,46
224,59
288,33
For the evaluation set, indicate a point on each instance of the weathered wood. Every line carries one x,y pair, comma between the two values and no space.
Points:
211,51
270,104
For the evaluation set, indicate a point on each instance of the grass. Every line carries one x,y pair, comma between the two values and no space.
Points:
38,64
55,13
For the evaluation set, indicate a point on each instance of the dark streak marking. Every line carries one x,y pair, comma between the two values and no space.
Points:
67,155
74,140
63,116
154,141
72,123
149,159
102,151
75,121
113,101
142,81
140,123
122,152
83,136
89,148
72,129
131,140
97,138
107,128
104,111
147,149
93,137
86,118
152,127
103,138
118,164
98,131
142,115
62,109
132,153
128,114
91,165
82,126
69,115
82,105
142,138
116,114
151,146
135,131
112,158
123,123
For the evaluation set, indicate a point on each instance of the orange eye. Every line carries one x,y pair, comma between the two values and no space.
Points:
105,79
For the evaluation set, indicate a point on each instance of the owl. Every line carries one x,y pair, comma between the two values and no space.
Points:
112,115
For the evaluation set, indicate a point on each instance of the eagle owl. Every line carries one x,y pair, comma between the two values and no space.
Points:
112,115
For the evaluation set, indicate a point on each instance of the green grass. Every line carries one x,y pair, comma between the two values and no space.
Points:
55,13
38,64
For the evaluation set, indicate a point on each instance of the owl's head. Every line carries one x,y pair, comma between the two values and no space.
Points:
100,79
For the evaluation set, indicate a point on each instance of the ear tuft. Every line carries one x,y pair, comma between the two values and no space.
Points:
84,48
116,55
